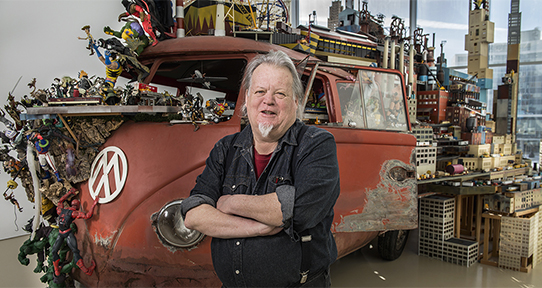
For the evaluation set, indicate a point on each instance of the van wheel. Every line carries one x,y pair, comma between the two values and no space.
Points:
392,243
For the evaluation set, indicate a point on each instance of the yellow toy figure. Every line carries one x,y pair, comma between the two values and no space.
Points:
113,69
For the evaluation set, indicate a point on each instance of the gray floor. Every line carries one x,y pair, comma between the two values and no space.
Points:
365,268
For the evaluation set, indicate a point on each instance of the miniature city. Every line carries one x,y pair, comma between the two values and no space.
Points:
463,156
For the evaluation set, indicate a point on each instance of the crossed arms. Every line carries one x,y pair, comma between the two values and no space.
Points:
237,216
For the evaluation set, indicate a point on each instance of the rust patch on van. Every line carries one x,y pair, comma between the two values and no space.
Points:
105,242
392,205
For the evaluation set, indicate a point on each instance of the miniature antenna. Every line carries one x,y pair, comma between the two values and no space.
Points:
16,85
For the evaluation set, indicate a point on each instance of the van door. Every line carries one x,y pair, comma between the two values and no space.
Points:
368,117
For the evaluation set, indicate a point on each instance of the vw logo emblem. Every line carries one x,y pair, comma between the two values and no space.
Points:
109,160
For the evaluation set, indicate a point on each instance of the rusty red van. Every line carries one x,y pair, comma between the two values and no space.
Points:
137,238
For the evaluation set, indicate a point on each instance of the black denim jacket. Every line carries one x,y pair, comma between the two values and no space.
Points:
307,199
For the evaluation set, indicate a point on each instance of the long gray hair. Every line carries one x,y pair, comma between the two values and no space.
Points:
279,59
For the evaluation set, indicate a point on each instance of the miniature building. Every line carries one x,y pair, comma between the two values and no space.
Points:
481,34
499,203
426,158
436,224
532,183
504,149
460,251
334,10
412,109
518,239
432,105
461,92
480,150
513,201
424,135
436,228
474,138
426,153
477,163
524,198
459,115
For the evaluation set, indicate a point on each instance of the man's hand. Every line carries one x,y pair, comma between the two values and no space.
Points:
212,222
269,230
223,203
262,208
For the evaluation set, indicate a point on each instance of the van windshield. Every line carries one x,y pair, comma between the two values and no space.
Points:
373,101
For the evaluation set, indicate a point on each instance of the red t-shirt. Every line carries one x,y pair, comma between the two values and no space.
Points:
260,161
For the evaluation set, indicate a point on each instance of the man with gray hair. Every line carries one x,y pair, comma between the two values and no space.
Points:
267,193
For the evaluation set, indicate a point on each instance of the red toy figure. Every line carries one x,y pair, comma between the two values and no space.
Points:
145,17
65,218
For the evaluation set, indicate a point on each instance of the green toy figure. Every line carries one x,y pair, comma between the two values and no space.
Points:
41,245
133,34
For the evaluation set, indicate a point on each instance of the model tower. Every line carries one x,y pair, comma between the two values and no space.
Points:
481,33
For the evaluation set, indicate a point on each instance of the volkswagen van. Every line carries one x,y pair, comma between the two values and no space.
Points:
137,237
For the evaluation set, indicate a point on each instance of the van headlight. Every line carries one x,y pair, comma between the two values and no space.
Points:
170,226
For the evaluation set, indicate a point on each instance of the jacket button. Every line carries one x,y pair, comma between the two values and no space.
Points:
237,272
233,187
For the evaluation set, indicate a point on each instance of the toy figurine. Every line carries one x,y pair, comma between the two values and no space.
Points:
48,210
14,112
56,88
40,95
126,58
316,102
63,87
4,120
133,34
65,219
41,245
216,109
143,15
16,140
159,13
394,108
47,162
83,85
375,119
38,246
113,69
71,170
9,197
192,107
27,102
86,28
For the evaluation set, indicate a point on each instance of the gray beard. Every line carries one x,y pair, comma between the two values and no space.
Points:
265,128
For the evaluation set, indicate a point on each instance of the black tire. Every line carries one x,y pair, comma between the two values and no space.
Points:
392,243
